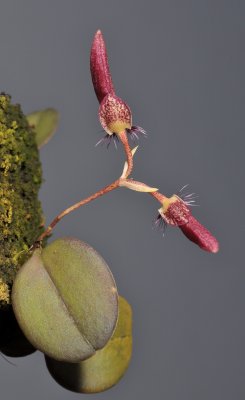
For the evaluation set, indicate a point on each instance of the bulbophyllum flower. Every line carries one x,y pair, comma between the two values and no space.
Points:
175,212
114,114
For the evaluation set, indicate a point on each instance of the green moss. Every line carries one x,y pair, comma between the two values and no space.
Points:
21,218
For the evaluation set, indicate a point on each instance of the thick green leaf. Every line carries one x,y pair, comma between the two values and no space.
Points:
106,367
65,300
44,124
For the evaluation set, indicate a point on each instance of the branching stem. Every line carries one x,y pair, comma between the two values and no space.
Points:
75,206
158,196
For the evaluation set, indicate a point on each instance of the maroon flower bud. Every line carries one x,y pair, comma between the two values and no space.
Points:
114,114
175,212
99,67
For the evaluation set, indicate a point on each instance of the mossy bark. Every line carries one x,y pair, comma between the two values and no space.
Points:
21,217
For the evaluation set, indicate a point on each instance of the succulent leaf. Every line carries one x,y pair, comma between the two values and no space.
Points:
44,123
65,300
106,367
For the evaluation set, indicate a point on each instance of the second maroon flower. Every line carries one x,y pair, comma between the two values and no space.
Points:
175,212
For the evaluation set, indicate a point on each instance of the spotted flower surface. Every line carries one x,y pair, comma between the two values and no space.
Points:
115,115
175,212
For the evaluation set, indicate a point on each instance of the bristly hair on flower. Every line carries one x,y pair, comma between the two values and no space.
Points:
160,224
135,132
188,198
108,139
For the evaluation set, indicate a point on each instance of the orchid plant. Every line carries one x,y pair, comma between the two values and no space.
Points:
61,297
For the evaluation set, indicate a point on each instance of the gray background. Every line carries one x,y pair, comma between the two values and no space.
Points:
180,66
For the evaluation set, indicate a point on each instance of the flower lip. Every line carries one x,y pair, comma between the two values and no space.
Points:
114,114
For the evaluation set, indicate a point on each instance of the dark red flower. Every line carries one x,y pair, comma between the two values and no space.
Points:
114,114
174,211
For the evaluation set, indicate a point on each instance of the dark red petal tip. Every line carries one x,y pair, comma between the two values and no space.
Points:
99,67
198,234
